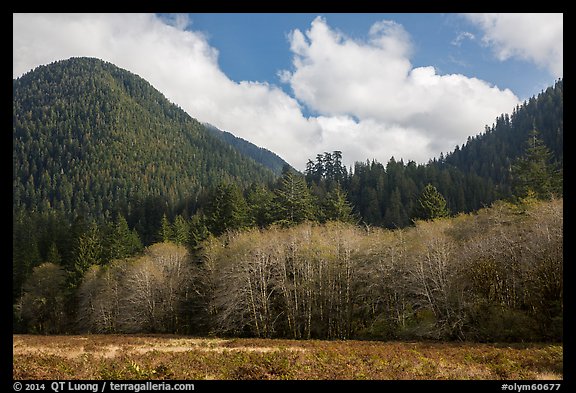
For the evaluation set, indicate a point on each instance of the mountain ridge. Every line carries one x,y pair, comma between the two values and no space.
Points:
260,154
92,138
469,177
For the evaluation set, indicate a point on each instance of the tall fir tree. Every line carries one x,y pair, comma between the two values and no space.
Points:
336,206
260,202
25,253
122,242
165,234
395,215
88,252
535,172
226,210
198,232
294,203
430,205
181,230
53,256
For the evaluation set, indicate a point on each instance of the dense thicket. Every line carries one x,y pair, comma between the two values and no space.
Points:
495,275
77,244
92,139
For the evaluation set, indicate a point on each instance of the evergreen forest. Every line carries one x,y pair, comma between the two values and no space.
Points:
130,216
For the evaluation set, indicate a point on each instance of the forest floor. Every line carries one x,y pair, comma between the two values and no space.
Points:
130,357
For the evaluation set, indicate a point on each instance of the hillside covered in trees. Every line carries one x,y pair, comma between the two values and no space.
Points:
259,154
92,139
485,169
122,200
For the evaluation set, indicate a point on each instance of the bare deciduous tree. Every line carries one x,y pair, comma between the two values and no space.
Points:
145,294
496,274
100,296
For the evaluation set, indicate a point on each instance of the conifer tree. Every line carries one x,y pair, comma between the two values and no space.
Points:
181,230
430,204
395,216
88,252
226,210
198,232
121,241
260,202
534,171
294,203
336,206
165,233
53,256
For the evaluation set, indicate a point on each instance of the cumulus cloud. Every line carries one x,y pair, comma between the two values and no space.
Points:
181,64
367,99
533,37
373,81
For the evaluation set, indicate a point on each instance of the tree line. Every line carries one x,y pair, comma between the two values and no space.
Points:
474,175
493,275
78,245
49,235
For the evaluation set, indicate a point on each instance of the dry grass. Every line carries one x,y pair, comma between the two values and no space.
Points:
183,358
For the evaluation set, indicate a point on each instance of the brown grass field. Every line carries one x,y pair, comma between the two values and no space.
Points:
124,357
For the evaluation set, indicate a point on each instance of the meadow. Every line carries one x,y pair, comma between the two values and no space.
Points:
164,357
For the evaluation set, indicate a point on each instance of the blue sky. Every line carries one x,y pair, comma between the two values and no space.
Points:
255,46
371,85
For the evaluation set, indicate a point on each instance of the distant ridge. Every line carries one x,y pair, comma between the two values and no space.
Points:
259,154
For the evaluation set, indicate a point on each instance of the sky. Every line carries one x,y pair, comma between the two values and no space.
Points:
370,85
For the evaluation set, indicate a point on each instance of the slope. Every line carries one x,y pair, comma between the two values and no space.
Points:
490,155
90,138
259,154
470,177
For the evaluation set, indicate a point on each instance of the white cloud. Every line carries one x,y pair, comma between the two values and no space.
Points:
465,35
367,139
371,102
181,64
533,37
375,82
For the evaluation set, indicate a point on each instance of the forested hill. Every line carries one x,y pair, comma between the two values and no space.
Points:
491,154
259,154
472,176
90,138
